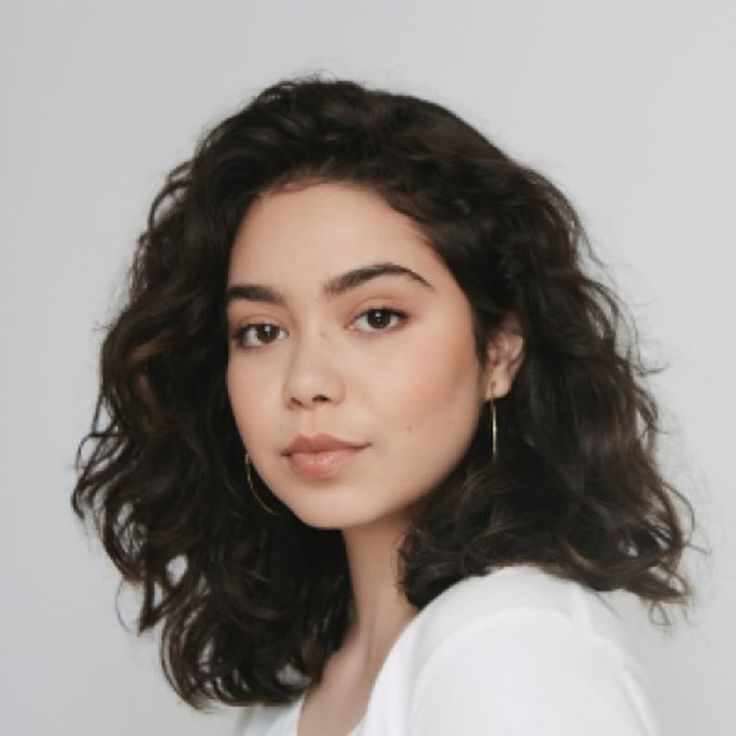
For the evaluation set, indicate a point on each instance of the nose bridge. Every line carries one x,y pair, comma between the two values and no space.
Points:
313,369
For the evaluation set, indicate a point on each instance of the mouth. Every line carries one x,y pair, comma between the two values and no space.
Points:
323,464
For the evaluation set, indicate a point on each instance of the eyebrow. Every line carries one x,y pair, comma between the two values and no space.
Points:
333,288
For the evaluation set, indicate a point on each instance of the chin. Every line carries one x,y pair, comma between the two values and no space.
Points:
349,517
332,519
334,515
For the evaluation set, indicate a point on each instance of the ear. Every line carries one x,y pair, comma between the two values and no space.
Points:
505,355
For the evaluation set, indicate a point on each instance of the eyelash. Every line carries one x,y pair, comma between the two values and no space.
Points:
240,332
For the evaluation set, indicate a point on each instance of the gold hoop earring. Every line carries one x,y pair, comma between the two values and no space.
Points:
252,488
494,434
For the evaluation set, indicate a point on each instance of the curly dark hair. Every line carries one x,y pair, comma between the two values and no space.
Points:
244,597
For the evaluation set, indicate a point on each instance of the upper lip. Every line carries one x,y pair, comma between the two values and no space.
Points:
318,443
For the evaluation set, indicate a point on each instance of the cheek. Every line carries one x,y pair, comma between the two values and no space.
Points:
243,398
233,395
429,406
433,380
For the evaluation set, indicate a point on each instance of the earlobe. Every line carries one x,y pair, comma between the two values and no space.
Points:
505,356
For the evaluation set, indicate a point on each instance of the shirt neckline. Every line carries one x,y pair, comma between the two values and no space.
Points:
403,634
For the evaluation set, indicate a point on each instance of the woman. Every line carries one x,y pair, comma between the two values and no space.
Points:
374,444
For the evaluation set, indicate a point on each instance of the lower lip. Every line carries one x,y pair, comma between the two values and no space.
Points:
322,464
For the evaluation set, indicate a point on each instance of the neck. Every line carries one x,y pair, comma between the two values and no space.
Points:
381,609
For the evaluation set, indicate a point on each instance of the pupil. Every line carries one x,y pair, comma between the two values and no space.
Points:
266,331
382,316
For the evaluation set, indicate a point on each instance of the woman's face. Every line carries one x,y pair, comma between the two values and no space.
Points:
356,330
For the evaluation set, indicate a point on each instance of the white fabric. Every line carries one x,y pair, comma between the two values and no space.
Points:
516,652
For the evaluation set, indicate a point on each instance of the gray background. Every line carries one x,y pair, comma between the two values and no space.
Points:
628,106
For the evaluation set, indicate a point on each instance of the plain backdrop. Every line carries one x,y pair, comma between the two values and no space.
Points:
628,106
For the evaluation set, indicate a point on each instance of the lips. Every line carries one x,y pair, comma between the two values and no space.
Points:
322,464
320,456
319,443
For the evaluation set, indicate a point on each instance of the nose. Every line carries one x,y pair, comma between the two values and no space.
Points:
312,376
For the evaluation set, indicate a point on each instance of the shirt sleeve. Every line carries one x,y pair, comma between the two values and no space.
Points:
529,673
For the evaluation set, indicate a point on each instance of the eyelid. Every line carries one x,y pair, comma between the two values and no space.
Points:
392,311
238,332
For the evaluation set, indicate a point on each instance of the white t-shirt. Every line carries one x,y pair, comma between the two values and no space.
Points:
516,652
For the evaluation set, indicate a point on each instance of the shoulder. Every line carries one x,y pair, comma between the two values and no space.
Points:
263,720
518,590
523,649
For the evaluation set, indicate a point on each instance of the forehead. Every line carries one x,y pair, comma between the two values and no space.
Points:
324,228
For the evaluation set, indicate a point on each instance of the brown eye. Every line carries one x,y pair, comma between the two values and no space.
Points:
262,332
379,318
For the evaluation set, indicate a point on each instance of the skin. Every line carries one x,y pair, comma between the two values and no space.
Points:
410,388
